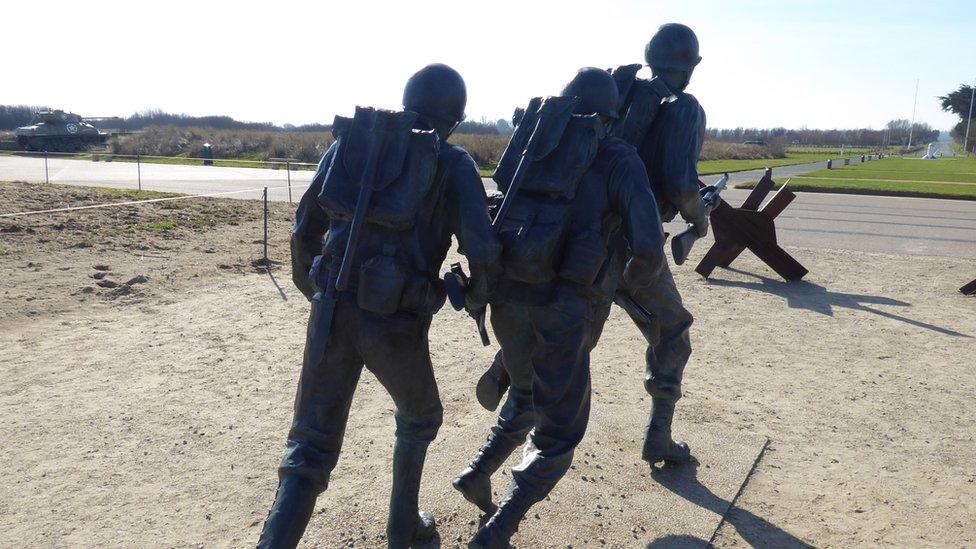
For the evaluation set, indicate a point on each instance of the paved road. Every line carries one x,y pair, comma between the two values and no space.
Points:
156,177
943,148
921,226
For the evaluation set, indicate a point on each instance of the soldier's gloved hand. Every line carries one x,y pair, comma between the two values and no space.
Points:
476,297
303,252
495,199
706,190
701,226
668,212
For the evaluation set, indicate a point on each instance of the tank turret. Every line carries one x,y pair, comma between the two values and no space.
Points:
58,131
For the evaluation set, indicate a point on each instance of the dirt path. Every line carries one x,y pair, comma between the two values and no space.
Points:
156,417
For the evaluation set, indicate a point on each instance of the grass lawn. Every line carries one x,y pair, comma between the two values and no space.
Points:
835,151
709,167
941,178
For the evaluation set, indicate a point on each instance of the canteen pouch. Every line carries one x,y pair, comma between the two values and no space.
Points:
584,256
381,284
532,237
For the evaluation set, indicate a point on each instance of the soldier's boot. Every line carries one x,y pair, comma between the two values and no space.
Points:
492,384
658,444
407,525
286,522
500,528
474,482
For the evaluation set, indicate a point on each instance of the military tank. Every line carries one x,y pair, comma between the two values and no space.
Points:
58,131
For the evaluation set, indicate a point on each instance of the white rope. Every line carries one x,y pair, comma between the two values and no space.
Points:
134,202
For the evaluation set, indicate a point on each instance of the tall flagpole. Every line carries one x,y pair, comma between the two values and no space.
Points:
965,145
914,106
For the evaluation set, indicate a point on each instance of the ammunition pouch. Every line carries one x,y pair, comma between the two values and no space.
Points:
422,295
532,237
381,283
583,258
386,287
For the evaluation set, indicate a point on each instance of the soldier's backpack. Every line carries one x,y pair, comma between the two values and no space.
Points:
378,179
640,101
404,173
535,228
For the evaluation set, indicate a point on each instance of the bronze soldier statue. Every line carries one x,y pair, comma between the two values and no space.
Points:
573,190
388,196
667,126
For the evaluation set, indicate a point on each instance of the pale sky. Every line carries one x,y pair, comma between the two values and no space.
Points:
828,64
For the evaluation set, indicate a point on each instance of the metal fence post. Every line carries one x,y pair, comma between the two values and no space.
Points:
265,226
288,171
830,164
47,179
139,171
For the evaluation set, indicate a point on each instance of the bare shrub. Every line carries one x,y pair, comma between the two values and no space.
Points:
236,144
486,149
717,150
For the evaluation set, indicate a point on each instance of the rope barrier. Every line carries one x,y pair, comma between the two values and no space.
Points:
151,200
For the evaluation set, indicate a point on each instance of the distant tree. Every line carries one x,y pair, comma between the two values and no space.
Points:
504,126
15,116
476,128
958,102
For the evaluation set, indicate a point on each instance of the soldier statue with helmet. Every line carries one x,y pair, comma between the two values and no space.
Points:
369,239
667,126
570,189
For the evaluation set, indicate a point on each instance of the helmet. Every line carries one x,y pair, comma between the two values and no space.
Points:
438,92
674,47
596,90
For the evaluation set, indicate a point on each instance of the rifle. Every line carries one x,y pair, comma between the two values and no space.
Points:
633,308
681,244
538,146
323,311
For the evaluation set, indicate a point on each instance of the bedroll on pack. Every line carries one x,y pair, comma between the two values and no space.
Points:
640,101
549,152
404,172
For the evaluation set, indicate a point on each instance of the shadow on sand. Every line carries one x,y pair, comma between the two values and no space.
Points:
801,294
756,531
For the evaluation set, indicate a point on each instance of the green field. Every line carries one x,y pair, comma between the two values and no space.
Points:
833,151
709,167
941,178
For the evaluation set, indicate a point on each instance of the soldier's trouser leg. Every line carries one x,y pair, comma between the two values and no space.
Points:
669,347
325,391
561,399
495,381
395,349
515,419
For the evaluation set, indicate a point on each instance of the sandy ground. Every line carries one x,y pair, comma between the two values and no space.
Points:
154,413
